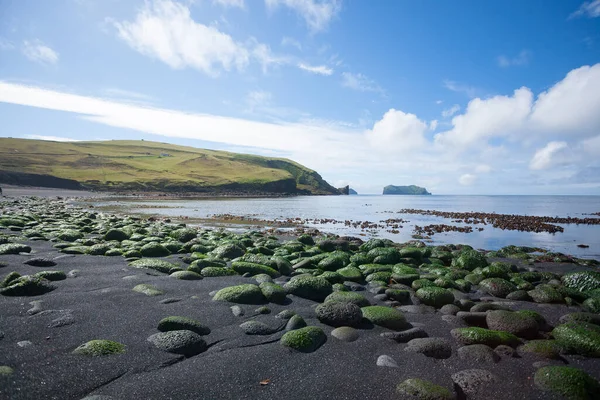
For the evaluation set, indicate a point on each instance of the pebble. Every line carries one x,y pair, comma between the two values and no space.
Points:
405,336
386,361
345,333
24,343
170,300
420,309
37,307
237,311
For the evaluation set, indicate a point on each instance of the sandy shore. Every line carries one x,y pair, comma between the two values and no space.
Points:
38,335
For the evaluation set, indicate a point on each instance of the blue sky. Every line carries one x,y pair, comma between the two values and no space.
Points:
462,97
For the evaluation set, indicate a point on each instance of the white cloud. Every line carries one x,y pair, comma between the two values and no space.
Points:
483,169
288,41
127,94
451,111
572,105
230,3
483,119
38,52
521,59
433,125
439,101
549,156
266,58
467,179
398,131
316,13
51,138
165,30
317,69
460,88
359,82
258,98
588,9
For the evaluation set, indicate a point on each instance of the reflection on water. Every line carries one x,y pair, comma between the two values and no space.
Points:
376,208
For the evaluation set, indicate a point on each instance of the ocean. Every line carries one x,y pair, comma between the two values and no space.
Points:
376,208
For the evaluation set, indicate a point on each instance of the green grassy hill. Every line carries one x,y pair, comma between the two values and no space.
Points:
151,166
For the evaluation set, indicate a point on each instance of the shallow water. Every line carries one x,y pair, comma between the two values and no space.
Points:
377,208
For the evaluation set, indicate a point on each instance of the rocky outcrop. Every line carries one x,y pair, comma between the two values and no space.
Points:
405,190
38,180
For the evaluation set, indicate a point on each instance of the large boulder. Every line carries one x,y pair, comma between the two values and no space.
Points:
497,287
387,317
339,314
184,342
309,287
243,294
305,340
476,335
579,337
435,296
519,324
568,382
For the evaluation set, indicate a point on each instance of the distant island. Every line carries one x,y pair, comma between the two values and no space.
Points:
405,190
352,191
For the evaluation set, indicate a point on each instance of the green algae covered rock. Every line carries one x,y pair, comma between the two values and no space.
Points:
27,285
242,267
51,275
227,251
9,278
14,248
420,389
569,382
184,342
592,304
273,292
147,289
387,317
497,287
157,265
309,287
476,335
100,347
545,348
5,370
421,283
175,323
305,340
517,323
116,234
469,260
582,281
212,272
339,314
186,275
154,250
435,296
348,297
242,294
579,337
69,235
545,294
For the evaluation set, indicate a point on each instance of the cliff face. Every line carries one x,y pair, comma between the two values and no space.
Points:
405,190
122,166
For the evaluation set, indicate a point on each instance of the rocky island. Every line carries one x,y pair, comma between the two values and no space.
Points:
405,190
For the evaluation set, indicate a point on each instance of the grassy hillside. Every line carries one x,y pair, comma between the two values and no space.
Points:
153,166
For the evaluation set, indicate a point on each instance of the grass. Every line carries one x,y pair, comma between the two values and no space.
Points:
144,165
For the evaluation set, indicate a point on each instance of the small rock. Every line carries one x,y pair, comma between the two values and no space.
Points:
478,353
237,311
295,322
450,309
405,336
386,361
24,343
37,307
170,300
256,328
182,342
431,347
471,381
417,309
345,333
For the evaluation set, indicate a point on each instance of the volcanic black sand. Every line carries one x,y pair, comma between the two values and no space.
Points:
39,333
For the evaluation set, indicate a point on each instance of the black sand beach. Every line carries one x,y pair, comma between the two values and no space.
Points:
39,333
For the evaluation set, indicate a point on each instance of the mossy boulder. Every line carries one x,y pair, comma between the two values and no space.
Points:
116,234
186,275
273,292
385,255
420,389
579,337
227,251
184,234
51,275
100,347
147,289
435,296
157,265
582,281
253,269
309,287
339,314
27,285
199,265
10,277
519,324
176,323
305,340
242,294
476,335
469,260
154,250
592,305
70,235
387,317
569,382
348,297
497,287
14,248
213,272
497,270
545,294
412,253
421,283
544,348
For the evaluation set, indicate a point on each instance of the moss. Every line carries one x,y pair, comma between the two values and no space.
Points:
348,297
227,251
387,317
14,248
100,347
27,286
497,287
435,296
154,250
368,269
309,287
497,270
273,292
147,289
9,278
545,294
476,335
5,370
69,235
462,285
305,340
212,272
592,304
176,323
411,252
403,296
157,265
379,276
116,234
474,279
421,283
184,234
422,389
334,262
76,250
113,253
186,275
571,383
533,314
253,269
469,260
132,254
51,275
579,337
582,281
544,348
199,265
243,294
